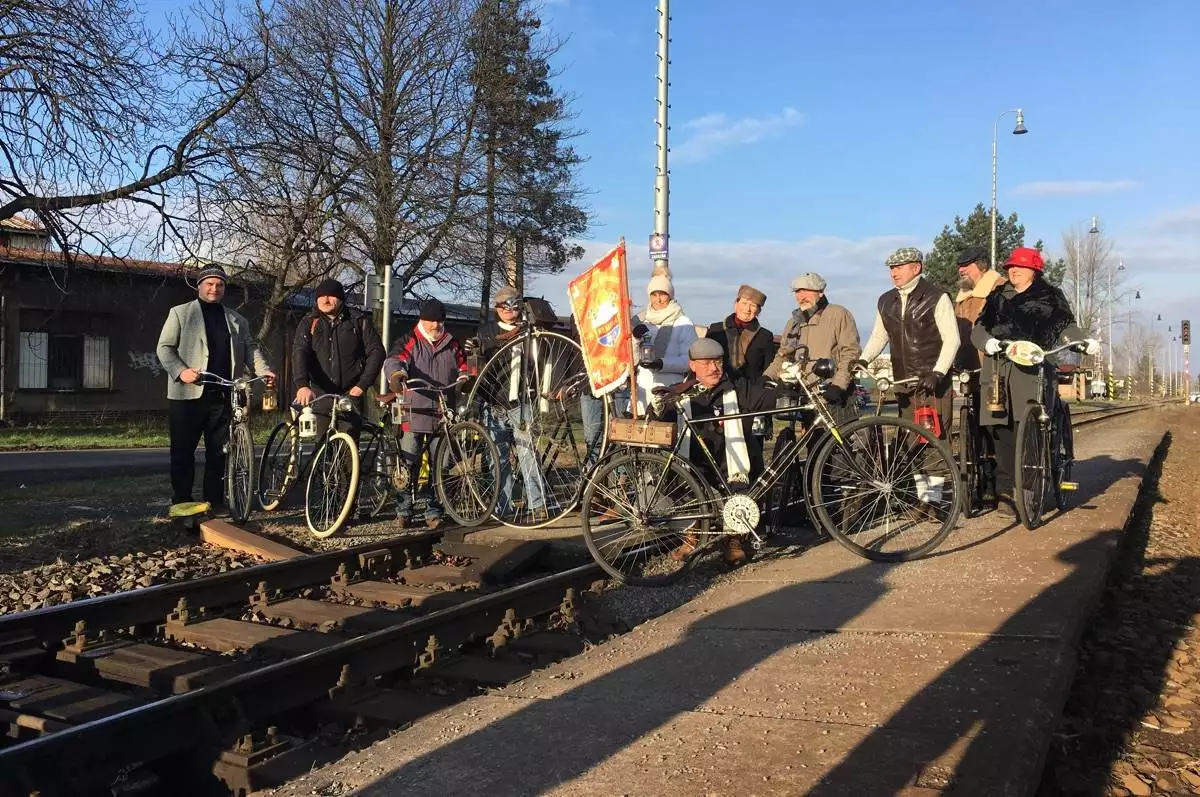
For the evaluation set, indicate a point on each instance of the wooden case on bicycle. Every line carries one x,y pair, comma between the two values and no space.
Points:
656,434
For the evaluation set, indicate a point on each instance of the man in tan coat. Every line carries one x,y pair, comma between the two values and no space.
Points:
828,330
975,282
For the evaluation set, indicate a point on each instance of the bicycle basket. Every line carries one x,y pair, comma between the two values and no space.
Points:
653,434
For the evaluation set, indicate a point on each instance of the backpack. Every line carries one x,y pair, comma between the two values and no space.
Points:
361,328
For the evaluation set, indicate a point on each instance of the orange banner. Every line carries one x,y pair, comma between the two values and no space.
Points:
600,304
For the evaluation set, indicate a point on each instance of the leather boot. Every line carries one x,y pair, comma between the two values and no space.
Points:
734,554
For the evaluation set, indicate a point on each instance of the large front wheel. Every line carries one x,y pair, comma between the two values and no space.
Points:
467,473
1033,468
885,489
645,517
332,485
239,473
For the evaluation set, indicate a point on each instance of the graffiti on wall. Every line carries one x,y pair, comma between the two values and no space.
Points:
145,360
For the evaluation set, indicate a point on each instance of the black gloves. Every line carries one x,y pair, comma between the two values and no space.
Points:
858,365
834,394
932,382
640,331
653,365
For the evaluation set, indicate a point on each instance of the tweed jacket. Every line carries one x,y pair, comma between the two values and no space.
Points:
184,344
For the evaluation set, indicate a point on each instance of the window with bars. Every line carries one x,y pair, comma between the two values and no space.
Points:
50,361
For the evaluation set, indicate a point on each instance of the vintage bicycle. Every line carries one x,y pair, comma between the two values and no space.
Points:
882,487
238,445
1045,449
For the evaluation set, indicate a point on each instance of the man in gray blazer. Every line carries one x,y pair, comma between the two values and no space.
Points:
204,335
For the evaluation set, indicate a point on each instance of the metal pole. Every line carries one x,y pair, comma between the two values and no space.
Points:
1150,359
662,189
1110,337
995,128
385,324
1129,353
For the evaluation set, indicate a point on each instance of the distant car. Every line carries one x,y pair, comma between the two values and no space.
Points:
1194,398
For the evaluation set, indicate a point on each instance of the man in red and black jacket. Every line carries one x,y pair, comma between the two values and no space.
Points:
335,350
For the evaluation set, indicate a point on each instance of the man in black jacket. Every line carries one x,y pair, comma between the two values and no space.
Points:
749,347
336,350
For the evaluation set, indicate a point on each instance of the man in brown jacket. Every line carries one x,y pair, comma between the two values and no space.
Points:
975,282
828,330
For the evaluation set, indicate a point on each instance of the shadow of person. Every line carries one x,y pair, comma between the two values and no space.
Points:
983,725
549,741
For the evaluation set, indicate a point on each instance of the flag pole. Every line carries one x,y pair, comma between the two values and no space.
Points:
627,312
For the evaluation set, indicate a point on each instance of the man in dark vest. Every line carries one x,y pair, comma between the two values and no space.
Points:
917,319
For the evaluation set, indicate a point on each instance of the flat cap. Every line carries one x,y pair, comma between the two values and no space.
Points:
808,282
905,255
973,254
705,349
753,294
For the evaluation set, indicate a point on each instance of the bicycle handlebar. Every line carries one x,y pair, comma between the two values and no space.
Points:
209,378
423,384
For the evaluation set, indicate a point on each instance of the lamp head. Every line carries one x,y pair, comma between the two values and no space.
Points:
1020,129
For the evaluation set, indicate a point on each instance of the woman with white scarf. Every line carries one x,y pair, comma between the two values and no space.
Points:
669,332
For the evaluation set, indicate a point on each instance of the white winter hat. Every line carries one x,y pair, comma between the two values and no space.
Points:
661,282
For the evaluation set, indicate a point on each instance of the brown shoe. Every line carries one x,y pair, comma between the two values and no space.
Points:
690,544
433,522
1005,506
734,554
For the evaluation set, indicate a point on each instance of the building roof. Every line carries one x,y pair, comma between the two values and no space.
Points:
124,265
24,225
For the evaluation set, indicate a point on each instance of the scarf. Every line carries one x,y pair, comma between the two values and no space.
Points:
664,319
804,316
737,456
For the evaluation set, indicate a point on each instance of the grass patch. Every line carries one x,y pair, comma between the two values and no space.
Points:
148,434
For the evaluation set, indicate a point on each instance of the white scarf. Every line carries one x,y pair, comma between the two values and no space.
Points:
514,371
737,456
664,319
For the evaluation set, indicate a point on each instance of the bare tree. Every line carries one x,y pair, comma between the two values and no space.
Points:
1086,279
95,109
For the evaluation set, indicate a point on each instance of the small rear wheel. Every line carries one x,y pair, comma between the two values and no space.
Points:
786,499
966,450
381,468
1063,455
279,467
332,485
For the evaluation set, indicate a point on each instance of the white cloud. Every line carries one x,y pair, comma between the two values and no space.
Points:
1073,187
714,132
707,274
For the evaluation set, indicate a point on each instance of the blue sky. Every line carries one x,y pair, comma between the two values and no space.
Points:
819,136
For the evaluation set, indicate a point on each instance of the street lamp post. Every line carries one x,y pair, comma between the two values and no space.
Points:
1094,229
1111,350
1019,130
1129,348
1150,353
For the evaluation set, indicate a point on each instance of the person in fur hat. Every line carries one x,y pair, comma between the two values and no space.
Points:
748,345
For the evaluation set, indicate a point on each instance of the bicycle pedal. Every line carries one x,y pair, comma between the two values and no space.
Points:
1068,486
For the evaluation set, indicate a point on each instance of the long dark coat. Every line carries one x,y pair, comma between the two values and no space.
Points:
1040,314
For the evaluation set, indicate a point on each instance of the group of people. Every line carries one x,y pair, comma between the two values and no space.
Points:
336,350
733,367
929,334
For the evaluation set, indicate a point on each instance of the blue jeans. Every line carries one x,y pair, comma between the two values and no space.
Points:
412,446
591,410
504,426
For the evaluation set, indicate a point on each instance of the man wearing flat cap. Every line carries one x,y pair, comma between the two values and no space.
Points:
335,350
975,283
748,345
204,335
829,331
916,318
711,393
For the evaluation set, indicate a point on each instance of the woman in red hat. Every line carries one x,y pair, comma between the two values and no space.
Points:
1027,307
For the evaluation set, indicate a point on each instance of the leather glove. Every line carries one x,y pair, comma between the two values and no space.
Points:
471,345
462,377
652,365
640,331
932,381
834,394
858,365
993,346
1091,347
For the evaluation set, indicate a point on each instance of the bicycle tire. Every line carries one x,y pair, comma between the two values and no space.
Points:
1063,453
967,454
1032,468
861,458
467,449
239,473
657,498
558,454
380,466
279,466
337,458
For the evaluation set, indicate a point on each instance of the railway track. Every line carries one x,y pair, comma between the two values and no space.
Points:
225,678
222,682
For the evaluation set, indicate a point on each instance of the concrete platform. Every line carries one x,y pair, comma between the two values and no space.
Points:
818,674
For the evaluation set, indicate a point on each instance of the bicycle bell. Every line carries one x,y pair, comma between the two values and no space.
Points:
345,405
308,423
397,409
